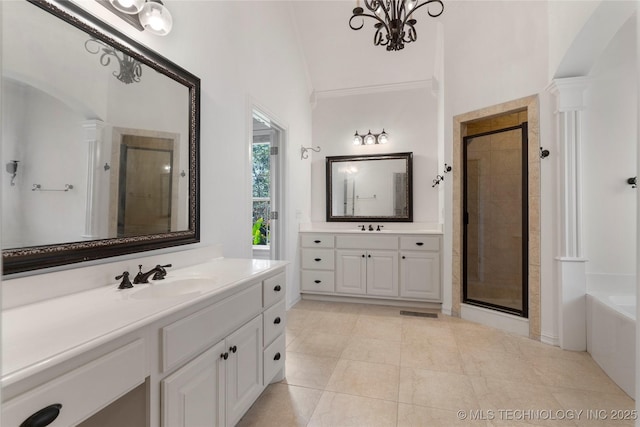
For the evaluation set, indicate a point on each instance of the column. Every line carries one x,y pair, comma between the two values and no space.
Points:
92,137
571,264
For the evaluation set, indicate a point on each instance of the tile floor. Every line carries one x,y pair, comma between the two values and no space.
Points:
365,365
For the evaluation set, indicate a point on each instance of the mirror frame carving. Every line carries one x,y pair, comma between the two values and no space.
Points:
408,157
17,260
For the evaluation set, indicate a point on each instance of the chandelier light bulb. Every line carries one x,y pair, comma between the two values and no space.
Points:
130,7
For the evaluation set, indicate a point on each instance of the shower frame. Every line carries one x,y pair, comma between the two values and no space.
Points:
524,312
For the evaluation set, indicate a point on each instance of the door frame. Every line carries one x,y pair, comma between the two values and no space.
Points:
277,243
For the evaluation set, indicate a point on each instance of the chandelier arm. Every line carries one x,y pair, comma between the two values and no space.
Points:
433,15
368,16
385,8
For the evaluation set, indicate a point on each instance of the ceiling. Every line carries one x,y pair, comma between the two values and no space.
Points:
338,57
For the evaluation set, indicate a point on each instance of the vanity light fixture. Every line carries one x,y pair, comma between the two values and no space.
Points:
371,138
149,15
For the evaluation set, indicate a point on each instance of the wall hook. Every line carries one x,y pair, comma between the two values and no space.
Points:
438,180
447,168
633,182
304,154
544,153
106,167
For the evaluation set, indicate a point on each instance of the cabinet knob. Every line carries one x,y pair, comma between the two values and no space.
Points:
317,241
277,356
404,257
224,356
317,281
277,288
318,259
277,320
419,243
369,255
43,417
233,349
362,255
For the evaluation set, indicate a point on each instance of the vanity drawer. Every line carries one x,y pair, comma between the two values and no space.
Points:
367,242
273,322
420,243
273,289
319,259
317,240
183,339
274,359
108,378
318,281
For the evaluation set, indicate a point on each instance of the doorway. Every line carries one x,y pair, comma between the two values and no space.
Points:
495,225
266,171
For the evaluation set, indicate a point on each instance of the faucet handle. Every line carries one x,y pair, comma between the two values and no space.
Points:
362,229
378,229
126,283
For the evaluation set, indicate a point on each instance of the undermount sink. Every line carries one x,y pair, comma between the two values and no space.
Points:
174,288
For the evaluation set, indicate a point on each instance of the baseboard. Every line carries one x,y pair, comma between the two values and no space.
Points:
495,319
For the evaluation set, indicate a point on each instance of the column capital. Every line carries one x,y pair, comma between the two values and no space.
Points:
92,129
569,93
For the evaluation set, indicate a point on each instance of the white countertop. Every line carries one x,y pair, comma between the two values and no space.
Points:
387,227
38,336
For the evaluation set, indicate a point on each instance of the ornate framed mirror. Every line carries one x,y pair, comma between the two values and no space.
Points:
370,188
101,135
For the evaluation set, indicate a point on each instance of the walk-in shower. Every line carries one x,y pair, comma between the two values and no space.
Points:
495,206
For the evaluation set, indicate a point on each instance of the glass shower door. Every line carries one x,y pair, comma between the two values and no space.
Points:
495,242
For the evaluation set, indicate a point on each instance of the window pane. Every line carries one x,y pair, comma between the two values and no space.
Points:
260,171
260,230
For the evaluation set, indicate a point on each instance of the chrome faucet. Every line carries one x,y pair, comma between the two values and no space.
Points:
158,272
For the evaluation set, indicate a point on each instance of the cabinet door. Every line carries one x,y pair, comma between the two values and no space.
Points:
244,369
382,273
194,395
420,275
351,272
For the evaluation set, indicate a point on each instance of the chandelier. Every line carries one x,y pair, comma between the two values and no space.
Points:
395,25
130,69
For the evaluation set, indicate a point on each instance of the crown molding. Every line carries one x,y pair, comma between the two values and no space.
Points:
365,90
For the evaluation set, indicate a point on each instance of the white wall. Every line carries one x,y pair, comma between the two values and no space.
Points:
408,116
609,158
496,52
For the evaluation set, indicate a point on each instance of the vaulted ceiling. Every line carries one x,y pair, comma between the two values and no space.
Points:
338,57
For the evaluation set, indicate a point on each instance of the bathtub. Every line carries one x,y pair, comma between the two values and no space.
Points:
611,336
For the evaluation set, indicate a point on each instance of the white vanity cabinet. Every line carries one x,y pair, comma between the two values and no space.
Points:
201,358
402,266
367,272
217,387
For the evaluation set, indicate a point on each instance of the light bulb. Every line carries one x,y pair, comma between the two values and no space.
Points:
130,7
369,139
410,4
357,139
383,138
156,18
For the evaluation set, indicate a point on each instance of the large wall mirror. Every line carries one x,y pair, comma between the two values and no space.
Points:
370,188
100,140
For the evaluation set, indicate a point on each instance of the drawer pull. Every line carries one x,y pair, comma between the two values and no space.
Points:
318,259
233,349
277,320
419,243
277,356
224,356
277,288
317,241
317,281
43,417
